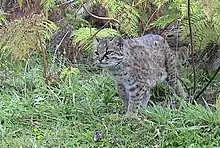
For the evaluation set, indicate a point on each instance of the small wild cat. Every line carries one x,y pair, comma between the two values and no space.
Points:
137,64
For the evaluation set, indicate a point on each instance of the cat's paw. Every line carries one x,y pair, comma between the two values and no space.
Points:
130,118
130,115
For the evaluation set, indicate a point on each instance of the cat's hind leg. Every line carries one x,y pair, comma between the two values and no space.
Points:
145,99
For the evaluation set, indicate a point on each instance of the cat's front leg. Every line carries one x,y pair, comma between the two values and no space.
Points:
136,94
122,93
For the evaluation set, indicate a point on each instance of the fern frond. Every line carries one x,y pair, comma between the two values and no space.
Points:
48,5
20,2
159,3
20,36
129,21
201,30
83,36
162,21
77,21
205,20
3,17
127,15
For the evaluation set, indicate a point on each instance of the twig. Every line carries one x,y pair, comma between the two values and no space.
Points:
209,54
108,21
99,17
103,18
176,19
55,52
204,88
43,57
66,3
145,28
184,84
192,49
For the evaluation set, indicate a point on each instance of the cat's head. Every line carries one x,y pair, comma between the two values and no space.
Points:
108,52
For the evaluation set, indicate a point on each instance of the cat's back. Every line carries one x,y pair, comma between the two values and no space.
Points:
146,57
150,38
149,41
149,46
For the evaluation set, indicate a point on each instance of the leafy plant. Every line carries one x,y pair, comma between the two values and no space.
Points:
48,5
205,18
20,2
127,15
3,17
84,36
20,36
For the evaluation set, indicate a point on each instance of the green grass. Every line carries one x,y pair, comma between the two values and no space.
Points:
69,112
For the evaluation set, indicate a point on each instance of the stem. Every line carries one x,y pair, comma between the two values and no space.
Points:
43,57
192,50
204,88
100,17
152,15
57,47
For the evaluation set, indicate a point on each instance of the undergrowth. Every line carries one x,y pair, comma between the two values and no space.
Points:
68,112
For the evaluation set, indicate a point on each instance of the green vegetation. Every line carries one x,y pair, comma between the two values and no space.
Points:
79,100
68,112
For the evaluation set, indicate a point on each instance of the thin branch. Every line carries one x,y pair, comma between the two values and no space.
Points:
99,17
192,49
184,84
66,3
145,28
55,52
105,18
43,57
204,88
176,19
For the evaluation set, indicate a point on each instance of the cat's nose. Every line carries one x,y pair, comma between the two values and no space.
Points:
100,59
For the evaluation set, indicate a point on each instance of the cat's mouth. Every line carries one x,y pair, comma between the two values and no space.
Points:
108,64
99,63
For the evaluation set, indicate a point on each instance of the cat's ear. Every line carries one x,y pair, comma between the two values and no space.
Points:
118,40
95,41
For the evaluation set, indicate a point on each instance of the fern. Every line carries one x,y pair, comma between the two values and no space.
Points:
205,20
176,9
20,36
49,5
20,2
205,25
84,36
3,17
162,22
129,21
77,21
127,15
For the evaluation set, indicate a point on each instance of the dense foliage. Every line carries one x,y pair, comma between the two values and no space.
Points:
78,100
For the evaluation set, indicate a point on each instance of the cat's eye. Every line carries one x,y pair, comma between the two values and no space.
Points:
96,52
109,52
102,45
